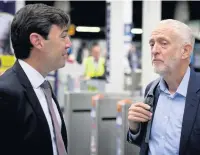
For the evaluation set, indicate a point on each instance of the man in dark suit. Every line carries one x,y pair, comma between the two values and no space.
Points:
175,118
30,116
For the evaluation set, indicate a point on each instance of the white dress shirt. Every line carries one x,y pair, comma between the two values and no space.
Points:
36,79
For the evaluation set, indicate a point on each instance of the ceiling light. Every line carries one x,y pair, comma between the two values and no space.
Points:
136,31
88,29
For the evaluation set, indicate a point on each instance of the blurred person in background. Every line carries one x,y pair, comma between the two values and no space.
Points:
80,53
174,128
133,58
95,64
5,42
31,119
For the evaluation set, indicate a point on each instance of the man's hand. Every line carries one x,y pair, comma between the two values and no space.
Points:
138,113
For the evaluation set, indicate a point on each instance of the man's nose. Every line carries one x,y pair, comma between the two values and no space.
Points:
68,43
155,49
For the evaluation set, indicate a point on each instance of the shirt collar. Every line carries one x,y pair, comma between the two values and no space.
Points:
182,88
35,78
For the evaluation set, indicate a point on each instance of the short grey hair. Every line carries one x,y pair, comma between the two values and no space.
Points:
182,29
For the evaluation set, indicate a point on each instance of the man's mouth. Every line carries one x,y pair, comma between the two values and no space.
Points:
65,53
157,60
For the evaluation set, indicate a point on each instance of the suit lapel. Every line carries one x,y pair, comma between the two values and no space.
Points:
191,106
30,94
33,100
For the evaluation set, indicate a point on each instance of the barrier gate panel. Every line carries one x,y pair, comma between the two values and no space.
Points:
128,148
107,126
103,135
78,121
123,147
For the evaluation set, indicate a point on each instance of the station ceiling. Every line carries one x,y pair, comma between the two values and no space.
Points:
93,13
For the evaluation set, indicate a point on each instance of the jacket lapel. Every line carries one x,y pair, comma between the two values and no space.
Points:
33,100
191,106
29,92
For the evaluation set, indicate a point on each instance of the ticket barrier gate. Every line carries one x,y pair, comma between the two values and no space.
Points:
78,120
103,132
122,146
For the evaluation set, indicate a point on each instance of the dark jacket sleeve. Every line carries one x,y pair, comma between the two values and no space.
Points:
9,130
139,138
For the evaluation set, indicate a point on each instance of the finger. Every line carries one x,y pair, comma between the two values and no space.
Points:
140,104
136,114
137,119
143,111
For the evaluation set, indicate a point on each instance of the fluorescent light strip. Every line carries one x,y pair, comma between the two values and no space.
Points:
136,31
98,29
88,29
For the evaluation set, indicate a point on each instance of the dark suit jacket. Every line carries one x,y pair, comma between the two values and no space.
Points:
24,129
190,133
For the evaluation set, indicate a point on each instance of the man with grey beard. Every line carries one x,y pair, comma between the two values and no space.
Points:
171,126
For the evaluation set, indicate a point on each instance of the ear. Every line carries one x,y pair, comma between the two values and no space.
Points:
36,40
187,50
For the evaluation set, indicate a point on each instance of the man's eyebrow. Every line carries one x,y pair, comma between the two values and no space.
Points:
64,31
159,38
151,40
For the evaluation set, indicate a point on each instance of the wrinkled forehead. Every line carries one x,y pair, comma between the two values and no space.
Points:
164,31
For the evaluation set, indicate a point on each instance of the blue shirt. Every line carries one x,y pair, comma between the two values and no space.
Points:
168,117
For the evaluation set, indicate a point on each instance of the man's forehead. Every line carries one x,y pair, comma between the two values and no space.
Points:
163,28
163,31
